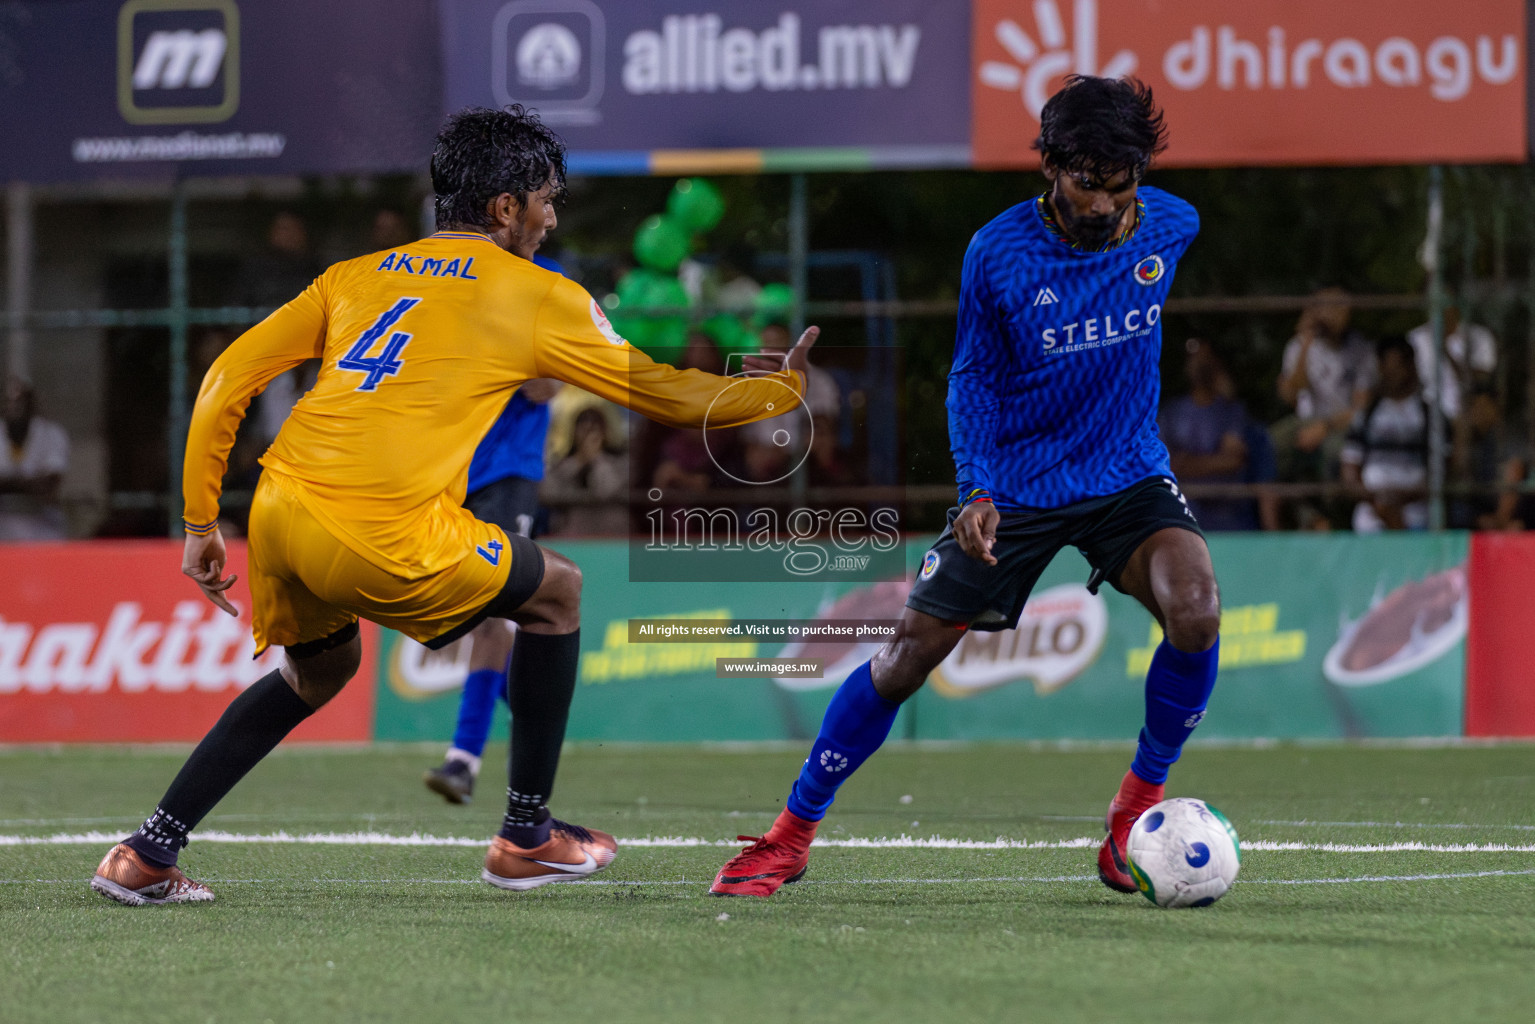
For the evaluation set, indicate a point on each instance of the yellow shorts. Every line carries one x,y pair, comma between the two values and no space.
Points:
305,584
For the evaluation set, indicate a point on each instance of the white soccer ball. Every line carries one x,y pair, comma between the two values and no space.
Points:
1183,853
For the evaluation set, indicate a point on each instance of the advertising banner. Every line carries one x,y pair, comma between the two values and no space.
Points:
630,691
109,642
1353,637
1267,81
1500,688
108,88
1364,638
619,79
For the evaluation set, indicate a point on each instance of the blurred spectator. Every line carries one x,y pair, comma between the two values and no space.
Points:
1489,454
1470,356
1326,377
271,278
567,406
732,287
1211,439
1386,454
685,459
33,457
250,440
284,267
592,471
391,230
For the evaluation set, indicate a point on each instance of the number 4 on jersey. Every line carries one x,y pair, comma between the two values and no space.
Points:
387,363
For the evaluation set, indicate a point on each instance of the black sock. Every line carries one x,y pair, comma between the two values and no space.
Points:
254,723
540,685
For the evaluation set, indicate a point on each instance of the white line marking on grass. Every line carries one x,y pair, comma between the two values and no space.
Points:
1386,824
1382,878
619,883
674,842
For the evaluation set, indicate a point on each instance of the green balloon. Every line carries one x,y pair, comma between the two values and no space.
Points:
633,287
640,291
696,204
661,243
637,331
630,294
666,292
774,302
730,334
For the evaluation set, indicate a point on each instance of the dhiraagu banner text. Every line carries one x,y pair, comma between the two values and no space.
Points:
1322,636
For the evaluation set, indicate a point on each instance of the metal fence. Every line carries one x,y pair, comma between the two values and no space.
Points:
881,320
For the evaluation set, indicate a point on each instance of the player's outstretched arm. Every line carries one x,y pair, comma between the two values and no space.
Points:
576,344
797,359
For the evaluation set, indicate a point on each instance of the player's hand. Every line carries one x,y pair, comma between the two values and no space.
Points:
203,559
976,530
797,359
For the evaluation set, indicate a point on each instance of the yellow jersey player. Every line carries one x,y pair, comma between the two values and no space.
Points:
359,513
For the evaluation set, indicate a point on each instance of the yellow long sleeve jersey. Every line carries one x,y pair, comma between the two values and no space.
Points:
421,348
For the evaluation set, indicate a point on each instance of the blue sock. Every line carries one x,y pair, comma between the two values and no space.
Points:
1178,687
476,707
856,723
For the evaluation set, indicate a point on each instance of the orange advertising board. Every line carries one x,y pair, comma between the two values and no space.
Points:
1266,81
108,642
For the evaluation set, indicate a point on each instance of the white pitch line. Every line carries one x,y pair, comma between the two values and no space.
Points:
903,842
1387,824
638,883
1384,878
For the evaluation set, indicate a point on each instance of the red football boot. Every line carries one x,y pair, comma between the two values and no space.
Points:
772,860
1135,796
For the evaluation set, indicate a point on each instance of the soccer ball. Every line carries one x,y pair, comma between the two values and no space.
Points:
1183,853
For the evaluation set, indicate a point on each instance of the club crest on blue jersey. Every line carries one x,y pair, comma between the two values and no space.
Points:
1150,270
929,565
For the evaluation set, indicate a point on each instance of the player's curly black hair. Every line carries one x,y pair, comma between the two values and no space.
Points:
481,153
1101,126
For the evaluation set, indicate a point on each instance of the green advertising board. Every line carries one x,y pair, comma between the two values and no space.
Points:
1322,636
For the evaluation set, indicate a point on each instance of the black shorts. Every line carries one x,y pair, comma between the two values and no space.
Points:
957,588
511,503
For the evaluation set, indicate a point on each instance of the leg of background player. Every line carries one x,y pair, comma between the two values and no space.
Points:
142,868
490,649
533,848
1170,573
856,723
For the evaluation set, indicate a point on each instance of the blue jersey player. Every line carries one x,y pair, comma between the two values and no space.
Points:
502,489
1052,421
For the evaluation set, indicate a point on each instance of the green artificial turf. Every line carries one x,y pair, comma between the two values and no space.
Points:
394,933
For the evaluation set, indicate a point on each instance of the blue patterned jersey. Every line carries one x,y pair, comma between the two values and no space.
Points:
1056,375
